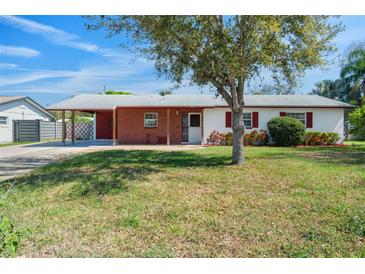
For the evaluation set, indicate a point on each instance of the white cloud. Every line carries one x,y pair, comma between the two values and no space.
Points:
18,51
8,66
56,36
89,76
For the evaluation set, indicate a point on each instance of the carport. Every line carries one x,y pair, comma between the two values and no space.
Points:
106,119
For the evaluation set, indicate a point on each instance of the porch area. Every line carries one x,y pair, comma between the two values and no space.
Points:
141,125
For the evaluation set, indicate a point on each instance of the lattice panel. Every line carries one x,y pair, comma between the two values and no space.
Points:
83,131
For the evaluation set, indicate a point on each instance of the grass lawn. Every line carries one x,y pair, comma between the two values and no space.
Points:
285,202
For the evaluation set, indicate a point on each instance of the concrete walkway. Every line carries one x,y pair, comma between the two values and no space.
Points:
19,159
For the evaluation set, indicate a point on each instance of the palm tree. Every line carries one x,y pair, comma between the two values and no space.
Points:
335,89
354,73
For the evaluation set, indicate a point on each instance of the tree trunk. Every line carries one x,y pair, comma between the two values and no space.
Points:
237,138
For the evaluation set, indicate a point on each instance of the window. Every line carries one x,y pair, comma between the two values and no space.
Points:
3,120
150,119
297,115
247,119
194,120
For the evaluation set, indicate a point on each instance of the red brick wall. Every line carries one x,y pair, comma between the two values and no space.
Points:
131,128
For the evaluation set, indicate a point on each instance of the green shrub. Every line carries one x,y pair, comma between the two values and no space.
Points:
333,138
286,131
357,123
315,138
9,238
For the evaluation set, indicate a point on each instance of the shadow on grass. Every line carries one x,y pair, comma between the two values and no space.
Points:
334,155
108,172
352,156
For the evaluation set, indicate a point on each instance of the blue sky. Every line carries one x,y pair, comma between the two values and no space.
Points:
51,58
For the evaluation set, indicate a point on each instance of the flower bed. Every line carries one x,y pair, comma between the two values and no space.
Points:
254,138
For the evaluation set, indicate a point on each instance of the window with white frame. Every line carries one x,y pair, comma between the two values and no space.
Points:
150,119
297,115
247,119
3,120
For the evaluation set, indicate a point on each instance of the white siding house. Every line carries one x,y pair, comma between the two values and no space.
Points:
323,119
18,108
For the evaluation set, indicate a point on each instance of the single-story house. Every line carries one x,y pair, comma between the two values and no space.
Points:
19,108
189,119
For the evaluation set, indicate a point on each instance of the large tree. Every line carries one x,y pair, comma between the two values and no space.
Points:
225,52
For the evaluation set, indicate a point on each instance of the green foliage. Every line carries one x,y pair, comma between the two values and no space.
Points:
165,92
357,122
82,119
277,89
353,72
113,92
178,44
314,138
338,89
286,131
9,238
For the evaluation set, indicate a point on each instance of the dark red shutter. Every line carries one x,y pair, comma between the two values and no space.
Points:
309,119
282,113
255,119
228,119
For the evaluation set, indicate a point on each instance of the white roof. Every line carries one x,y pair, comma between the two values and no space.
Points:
103,101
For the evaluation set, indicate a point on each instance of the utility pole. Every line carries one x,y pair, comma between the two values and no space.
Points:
104,89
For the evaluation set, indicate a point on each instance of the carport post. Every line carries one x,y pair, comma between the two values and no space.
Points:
202,127
168,126
73,126
114,126
63,128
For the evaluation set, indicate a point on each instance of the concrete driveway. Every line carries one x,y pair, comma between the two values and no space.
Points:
20,159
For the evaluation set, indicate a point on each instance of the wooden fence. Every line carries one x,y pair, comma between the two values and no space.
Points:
37,130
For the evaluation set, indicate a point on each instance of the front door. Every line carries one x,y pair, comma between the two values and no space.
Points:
194,128
104,125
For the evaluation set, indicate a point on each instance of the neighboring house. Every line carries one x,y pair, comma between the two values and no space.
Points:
179,119
18,108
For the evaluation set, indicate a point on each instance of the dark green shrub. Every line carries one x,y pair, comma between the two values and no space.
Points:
286,131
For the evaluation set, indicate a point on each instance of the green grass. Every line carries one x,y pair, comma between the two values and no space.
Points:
284,202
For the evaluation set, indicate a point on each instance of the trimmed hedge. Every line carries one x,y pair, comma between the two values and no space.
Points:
317,138
286,131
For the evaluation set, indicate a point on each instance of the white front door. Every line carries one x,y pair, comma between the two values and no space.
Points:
194,128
